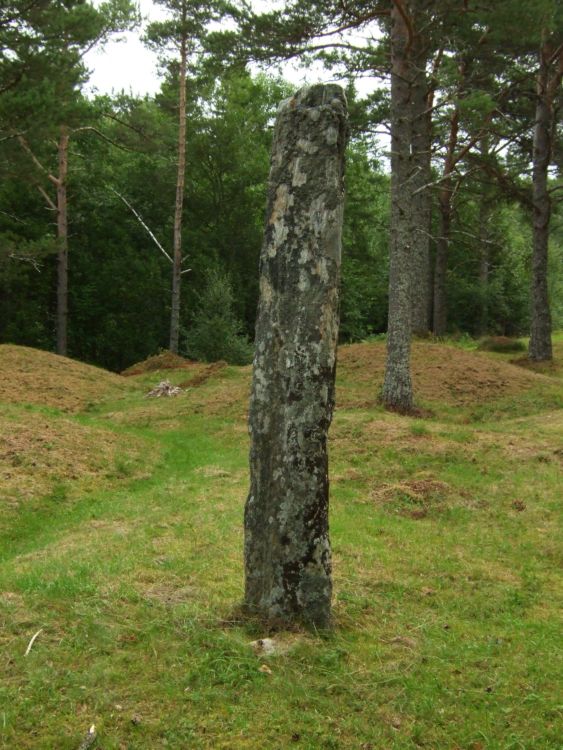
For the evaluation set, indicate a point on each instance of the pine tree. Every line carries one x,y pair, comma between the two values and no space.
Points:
44,73
184,43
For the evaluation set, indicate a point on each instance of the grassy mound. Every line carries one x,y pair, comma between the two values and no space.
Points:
46,449
32,376
46,454
165,360
441,374
446,562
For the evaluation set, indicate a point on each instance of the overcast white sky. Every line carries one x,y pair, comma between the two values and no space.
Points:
128,65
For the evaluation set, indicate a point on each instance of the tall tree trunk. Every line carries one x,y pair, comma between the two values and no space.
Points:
484,263
440,317
180,182
540,348
397,385
287,549
62,239
485,209
422,197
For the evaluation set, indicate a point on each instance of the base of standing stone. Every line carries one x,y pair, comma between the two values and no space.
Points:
287,548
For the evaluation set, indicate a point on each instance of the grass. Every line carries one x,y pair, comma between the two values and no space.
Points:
445,535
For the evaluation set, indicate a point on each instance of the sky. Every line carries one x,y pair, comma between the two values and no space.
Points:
125,64
128,65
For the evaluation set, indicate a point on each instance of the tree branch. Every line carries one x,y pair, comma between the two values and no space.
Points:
47,197
142,223
25,145
90,128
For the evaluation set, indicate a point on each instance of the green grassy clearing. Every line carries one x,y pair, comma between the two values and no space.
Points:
446,539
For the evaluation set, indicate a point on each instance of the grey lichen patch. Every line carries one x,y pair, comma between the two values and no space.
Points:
299,177
282,202
266,293
287,548
307,146
331,135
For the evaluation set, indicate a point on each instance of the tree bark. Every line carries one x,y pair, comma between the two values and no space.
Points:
540,347
397,385
485,212
180,182
440,315
287,549
421,137
62,239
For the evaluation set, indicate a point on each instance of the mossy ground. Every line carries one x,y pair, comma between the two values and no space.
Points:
446,539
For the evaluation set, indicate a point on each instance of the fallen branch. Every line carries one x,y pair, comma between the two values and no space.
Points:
32,641
164,388
142,223
89,740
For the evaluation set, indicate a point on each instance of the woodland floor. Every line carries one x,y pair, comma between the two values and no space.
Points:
121,539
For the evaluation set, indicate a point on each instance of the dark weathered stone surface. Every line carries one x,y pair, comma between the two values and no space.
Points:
287,549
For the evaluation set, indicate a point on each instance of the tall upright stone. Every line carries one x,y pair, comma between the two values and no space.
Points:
287,548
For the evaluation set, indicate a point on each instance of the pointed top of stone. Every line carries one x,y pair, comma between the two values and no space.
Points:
317,95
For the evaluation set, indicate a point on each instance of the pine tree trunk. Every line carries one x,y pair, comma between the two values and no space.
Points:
180,181
397,386
62,240
484,261
422,196
287,549
540,348
441,265
440,317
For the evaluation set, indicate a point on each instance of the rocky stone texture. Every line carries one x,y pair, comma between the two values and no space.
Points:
287,549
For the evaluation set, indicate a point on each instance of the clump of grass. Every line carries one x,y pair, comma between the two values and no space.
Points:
419,429
59,493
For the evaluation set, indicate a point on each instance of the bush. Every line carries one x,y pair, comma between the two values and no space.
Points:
216,333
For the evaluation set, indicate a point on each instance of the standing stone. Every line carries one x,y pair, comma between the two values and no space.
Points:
287,549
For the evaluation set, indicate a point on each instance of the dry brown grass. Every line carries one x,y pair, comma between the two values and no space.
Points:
440,373
418,497
165,360
38,452
32,376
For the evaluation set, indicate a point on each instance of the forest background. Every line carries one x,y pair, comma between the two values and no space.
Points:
120,176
